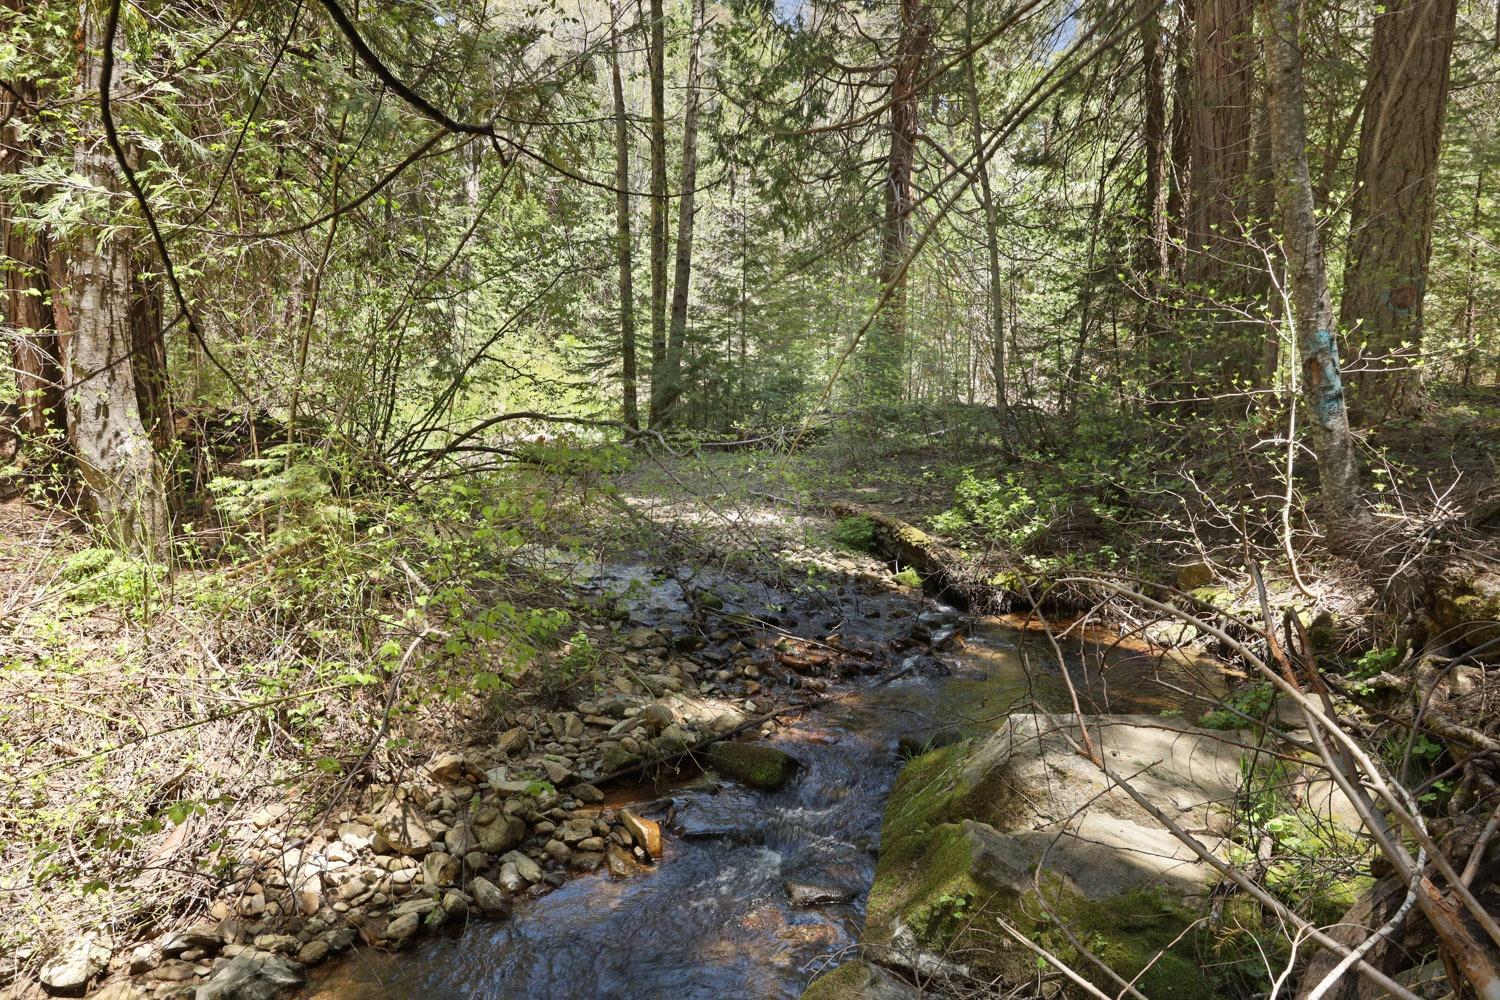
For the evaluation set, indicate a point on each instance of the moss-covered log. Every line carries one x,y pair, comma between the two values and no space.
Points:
945,571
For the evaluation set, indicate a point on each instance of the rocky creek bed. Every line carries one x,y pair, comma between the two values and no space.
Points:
549,864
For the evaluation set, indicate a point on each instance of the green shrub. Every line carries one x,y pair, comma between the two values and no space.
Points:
856,533
1253,700
104,576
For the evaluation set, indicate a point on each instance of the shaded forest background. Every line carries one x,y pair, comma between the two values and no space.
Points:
407,233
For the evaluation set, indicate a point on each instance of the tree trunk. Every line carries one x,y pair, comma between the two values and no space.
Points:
991,226
886,351
121,473
656,57
622,229
683,272
1219,134
1152,252
149,359
35,347
1471,290
1219,257
1395,200
1307,275
1180,179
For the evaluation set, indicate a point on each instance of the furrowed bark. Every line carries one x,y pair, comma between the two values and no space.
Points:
122,475
1395,201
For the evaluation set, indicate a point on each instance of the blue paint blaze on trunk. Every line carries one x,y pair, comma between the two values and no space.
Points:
1320,368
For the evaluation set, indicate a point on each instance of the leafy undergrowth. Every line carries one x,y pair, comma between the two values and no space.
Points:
316,638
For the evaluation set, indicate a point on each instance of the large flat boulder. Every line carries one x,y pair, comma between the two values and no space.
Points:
1019,827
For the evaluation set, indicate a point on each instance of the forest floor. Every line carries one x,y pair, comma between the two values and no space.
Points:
175,749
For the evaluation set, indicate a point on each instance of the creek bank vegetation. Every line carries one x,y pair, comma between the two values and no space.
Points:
349,345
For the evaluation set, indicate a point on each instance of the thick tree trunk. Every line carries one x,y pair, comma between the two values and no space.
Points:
1219,258
683,271
656,57
1219,135
1395,200
628,374
886,351
991,228
121,472
1307,274
35,346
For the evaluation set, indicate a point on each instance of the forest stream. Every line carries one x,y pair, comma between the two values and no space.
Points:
716,916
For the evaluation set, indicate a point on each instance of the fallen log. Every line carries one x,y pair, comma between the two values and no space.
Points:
945,571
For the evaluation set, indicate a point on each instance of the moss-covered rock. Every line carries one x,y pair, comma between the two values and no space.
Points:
858,980
760,766
1018,827
1464,603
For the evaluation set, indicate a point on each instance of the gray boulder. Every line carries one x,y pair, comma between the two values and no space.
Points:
252,975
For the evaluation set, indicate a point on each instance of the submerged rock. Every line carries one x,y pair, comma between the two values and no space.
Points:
809,894
980,828
759,766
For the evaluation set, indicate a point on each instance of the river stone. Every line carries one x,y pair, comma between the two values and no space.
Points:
760,766
510,878
967,826
500,834
614,757
578,829
460,840
511,740
449,768
585,861
356,836
439,869
621,862
656,716
121,989
402,828
559,769
205,936
859,980
645,832
173,970
1464,602
809,894
68,974
251,975
314,952
674,739
587,794
527,868
400,931
490,900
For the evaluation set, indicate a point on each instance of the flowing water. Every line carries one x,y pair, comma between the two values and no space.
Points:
713,919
